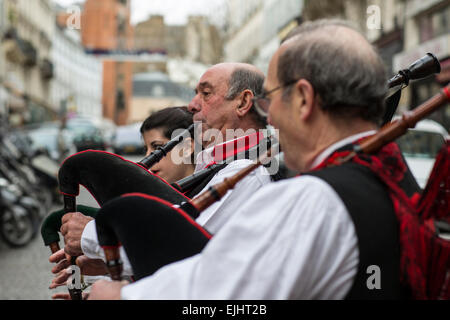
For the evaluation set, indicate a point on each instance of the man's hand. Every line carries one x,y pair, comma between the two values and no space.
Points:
72,228
106,290
88,267
62,259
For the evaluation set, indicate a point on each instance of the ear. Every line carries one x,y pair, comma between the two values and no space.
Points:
245,100
304,98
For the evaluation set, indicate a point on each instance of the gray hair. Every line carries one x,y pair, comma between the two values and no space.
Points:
351,83
246,79
313,26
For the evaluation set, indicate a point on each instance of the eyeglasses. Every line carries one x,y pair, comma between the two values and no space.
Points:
262,102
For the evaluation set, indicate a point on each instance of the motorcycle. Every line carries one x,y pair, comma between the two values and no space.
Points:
19,218
42,166
23,177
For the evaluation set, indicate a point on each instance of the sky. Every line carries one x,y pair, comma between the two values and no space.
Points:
174,11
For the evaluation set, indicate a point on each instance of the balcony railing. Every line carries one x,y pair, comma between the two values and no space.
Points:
18,50
47,69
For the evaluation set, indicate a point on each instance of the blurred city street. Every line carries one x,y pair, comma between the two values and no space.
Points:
122,76
25,272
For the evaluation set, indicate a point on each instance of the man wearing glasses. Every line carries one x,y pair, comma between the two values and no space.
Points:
320,235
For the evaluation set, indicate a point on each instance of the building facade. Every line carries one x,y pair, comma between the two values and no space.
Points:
186,52
405,31
427,29
202,42
197,40
153,91
27,29
77,85
244,32
253,29
105,27
382,22
3,91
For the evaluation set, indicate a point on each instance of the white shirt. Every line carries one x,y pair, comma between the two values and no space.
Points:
211,219
293,239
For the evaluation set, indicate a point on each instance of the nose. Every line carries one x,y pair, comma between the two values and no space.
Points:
194,105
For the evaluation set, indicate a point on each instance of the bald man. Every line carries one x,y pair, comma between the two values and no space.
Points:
223,99
223,104
331,233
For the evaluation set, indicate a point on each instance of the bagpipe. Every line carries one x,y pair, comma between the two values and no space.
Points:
422,68
171,235
134,201
246,147
108,176
162,151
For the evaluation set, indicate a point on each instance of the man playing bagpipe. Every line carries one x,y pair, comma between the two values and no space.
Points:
317,235
223,101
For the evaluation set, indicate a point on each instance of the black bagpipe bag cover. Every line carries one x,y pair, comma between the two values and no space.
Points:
107,176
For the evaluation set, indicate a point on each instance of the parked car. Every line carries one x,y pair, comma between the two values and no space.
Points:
108,129
128,140
86,134
58,143
420,147
90,138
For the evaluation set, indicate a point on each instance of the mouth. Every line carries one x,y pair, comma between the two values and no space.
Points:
156,172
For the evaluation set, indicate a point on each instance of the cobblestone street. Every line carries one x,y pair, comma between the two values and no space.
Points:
25,272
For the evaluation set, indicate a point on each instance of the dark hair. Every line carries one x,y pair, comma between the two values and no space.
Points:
246,79
168,120
350,83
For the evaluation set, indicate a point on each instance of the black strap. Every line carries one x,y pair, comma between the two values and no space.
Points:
371,209
202,184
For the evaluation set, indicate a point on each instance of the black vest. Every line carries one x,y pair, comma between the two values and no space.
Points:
377,229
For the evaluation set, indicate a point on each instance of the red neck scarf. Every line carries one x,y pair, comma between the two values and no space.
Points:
425,258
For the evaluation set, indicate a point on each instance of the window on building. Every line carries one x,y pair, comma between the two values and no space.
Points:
425,28
441,22
434,24
158,91
120,99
